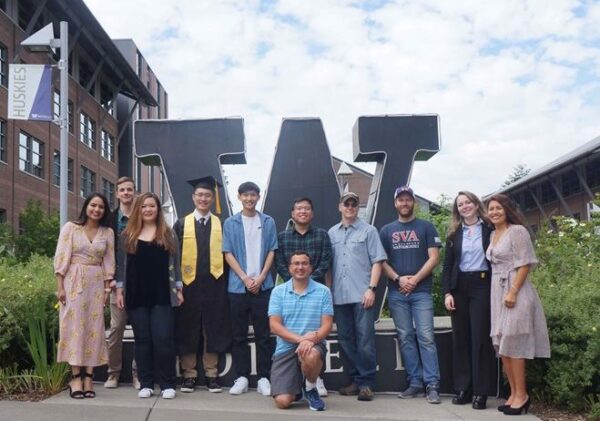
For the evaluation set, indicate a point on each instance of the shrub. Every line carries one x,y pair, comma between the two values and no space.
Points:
22,287
568,284
38,232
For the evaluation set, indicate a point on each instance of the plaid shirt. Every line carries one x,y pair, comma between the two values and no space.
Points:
315,242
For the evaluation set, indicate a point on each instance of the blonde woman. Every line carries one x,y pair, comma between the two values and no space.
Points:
466,284
149,286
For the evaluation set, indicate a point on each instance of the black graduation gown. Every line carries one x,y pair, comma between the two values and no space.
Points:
206,302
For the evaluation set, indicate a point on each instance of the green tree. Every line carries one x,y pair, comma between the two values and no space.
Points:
519,172
38,232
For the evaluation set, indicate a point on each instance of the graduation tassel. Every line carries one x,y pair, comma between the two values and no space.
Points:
217,201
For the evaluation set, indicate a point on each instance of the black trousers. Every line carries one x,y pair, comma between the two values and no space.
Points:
251,307
153,329
474,360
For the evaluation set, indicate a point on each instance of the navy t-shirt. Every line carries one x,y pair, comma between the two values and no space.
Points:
406,245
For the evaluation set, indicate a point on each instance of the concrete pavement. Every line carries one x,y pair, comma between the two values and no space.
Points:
123,404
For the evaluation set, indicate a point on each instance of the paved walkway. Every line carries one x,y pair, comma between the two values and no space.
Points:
123,404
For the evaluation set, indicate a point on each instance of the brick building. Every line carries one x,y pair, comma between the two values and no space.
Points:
99,75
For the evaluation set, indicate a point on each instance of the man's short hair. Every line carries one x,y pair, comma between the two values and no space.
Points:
302,199
248,186
124,179
299,253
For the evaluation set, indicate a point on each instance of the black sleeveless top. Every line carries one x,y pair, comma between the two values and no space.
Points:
147,276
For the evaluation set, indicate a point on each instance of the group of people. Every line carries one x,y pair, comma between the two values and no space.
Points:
194,289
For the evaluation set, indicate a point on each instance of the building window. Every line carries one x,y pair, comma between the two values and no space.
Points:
592,173
3,66
3,5
71,118
108,146
108,190
3,153
548,192
87,130
56,171
85,76
87,182
158,99
140,61
570,183
31,155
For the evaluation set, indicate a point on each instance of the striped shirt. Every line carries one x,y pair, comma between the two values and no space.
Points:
300,313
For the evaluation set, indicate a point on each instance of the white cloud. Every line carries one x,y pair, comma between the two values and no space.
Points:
505,77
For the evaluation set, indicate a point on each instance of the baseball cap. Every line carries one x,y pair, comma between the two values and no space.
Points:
403,189
349,195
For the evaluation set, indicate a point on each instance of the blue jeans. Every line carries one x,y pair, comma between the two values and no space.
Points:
356,335
153,329
418,308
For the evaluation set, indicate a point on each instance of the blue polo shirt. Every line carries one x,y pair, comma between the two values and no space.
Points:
300,313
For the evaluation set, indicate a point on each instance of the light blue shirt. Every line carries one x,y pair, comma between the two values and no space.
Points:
233,242
355,249
300,313
472,258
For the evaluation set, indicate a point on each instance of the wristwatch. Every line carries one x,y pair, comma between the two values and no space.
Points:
372,288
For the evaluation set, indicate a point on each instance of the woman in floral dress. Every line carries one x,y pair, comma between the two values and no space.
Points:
518,324
84,265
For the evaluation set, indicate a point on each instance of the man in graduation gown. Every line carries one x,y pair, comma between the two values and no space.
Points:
202,323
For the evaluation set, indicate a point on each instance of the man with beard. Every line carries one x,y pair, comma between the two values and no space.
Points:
412,246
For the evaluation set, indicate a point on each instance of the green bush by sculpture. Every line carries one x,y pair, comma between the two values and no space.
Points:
568,282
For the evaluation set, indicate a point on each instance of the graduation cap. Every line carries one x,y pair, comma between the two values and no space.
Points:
208,183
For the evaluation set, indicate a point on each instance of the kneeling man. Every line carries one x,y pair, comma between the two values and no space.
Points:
301,316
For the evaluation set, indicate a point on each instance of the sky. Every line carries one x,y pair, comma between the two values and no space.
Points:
513,81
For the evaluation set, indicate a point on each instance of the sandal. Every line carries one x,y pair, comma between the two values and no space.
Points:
88,393
76,394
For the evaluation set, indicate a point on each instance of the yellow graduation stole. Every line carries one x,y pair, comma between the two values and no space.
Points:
189,253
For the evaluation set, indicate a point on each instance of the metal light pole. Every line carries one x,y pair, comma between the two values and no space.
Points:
44,41
63,66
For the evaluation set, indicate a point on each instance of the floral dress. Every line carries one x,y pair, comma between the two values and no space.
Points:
85,266
520,331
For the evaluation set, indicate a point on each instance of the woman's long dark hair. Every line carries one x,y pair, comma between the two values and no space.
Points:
106,219
513,215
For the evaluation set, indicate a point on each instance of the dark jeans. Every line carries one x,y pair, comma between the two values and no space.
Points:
255,307
153,329
356,335
473,356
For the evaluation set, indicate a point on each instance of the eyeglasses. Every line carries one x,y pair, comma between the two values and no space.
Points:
350,204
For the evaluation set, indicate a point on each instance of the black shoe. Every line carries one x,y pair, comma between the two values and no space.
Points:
517,411
365,394
461,398
188,385
89,393
213,385
501,408
76,394
480,402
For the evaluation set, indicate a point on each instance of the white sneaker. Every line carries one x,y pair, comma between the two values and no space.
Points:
168,394
112,382
321,387
240,385
264,386
146,392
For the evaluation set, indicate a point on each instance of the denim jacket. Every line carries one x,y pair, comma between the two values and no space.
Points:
234,243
